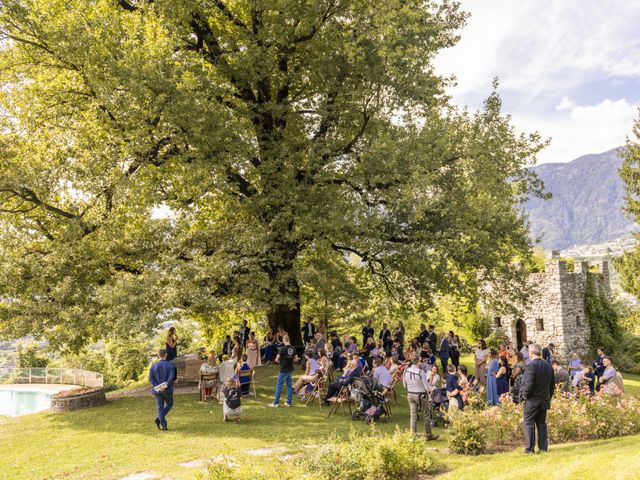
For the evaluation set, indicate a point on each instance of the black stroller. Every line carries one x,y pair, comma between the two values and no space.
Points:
439,406
372,404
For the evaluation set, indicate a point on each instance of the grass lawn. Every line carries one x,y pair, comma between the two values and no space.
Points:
120,439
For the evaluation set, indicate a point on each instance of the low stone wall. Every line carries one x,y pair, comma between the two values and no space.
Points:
77,402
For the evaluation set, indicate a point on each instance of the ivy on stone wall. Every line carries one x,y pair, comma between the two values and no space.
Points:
602,318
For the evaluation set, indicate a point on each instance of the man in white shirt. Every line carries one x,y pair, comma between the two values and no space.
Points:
415,381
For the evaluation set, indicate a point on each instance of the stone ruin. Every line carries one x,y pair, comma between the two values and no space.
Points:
555,311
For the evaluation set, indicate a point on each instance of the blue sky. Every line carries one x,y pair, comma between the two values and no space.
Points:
569,69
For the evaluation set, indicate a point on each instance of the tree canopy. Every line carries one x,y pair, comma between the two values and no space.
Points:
186,158
629,263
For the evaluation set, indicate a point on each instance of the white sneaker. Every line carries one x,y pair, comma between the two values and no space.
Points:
287,404
273,405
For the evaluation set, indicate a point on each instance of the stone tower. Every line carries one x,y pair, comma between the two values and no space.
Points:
555,311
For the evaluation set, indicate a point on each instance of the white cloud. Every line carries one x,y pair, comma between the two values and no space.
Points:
582,129
560,64
565,104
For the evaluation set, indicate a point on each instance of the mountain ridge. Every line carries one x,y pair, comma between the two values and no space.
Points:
586,205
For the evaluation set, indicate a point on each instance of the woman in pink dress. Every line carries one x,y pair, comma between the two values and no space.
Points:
253,351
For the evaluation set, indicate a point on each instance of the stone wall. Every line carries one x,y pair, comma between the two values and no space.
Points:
77,402
555,312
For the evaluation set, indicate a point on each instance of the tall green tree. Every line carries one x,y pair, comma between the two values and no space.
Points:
188,157
629,263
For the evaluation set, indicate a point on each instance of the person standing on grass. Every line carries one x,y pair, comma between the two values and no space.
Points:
286,355
418,388
161,377
536,391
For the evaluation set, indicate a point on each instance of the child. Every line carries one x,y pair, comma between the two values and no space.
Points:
231,406
453,389
245,382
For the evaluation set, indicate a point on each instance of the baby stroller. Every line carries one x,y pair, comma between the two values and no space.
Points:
439,406
372,404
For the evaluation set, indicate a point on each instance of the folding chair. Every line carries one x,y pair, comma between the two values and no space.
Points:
319,388
243,374
211,379
392,392
339,401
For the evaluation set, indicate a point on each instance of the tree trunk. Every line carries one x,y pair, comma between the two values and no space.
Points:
288,318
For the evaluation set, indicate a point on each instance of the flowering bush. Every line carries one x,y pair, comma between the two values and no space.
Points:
571,418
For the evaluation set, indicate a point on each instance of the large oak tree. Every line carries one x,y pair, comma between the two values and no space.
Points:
187,157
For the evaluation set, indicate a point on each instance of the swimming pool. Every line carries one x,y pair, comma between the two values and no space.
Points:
14,403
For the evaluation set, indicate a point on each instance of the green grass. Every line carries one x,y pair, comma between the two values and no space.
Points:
120,439
617,458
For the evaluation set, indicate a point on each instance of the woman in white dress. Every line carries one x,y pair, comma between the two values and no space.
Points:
227,370
480,357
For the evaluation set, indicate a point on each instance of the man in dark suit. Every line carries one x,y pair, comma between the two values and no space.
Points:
385,336
536,389
432,338
367,331
443,352
308,331
244,332
422,336
547,352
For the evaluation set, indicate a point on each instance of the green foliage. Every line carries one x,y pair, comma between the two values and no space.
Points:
571,418
468,435
127,360
30,357
365,457
480,326
602,318
225,469
269,136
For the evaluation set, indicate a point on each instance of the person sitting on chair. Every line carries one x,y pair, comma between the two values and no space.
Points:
209,368
347,379
381,374
310,372
245,381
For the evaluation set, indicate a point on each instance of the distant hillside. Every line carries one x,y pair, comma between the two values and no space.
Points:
587,202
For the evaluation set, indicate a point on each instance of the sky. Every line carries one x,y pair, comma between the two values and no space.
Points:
569,69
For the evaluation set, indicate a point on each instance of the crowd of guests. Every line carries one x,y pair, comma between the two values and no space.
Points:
428,365
500,372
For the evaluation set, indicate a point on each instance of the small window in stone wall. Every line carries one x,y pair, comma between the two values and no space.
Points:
539,324
498,322
578,320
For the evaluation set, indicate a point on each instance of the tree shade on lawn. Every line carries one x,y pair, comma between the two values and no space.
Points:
178,158
120,439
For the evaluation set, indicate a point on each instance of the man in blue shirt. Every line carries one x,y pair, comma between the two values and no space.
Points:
161,377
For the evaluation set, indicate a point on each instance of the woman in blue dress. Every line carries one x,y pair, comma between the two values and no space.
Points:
492,385
502,377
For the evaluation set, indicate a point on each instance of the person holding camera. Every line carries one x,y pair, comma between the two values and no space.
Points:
415,382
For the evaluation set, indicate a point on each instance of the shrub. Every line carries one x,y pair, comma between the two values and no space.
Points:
223,470
571,418
29,356
373,456
363,457
466,434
